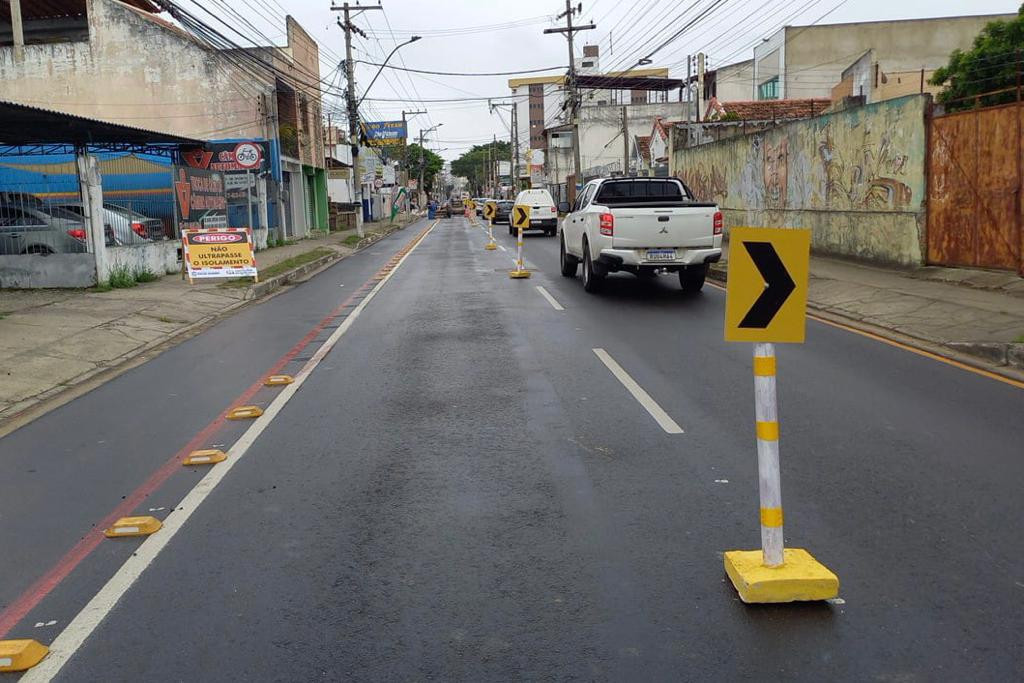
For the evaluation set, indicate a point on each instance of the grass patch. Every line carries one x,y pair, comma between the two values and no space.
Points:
1018,340
351,240
145,275
121,277
101,287
282,267
2,316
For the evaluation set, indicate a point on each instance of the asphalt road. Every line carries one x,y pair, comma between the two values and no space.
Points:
462,490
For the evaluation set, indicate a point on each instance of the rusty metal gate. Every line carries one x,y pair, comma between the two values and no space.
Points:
975,161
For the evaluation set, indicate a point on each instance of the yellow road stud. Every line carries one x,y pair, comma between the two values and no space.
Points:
278,380
205,457
245,412
133,526
19,655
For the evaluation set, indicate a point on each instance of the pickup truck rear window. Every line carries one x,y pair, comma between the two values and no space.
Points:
645,191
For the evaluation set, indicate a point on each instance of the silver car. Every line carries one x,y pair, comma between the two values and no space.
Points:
128,227
26,227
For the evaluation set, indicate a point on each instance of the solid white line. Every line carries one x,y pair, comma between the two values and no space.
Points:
86,621
551,300
642,397
502,248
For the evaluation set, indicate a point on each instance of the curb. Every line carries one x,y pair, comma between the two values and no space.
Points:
1002,358
29,409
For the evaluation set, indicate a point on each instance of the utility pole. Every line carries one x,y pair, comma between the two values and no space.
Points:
700,86
350,96
570,86
625,144
405,152
513,140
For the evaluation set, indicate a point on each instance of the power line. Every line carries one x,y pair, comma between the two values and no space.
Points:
457,73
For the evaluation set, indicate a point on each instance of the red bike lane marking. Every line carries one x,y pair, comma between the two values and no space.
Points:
34,594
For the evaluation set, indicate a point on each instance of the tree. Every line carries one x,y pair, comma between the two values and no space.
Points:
432,164
991,66
473,164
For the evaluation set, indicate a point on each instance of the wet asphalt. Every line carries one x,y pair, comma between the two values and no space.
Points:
462,491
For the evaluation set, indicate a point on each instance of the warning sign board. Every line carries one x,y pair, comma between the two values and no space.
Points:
520,216
490,210
219,252
766,296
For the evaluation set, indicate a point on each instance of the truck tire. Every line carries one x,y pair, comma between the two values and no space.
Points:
692,279
591,280
567,261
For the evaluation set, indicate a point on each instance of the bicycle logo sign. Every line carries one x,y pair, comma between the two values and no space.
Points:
248,155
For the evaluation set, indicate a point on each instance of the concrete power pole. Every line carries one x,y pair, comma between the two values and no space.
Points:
625,144
570,86
405,154
700,86
350,96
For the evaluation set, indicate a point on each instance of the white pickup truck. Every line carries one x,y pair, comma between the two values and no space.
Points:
640,225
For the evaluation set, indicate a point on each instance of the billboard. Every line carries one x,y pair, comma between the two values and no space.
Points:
199,198
384,133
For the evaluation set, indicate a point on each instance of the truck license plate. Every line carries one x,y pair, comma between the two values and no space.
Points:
661,254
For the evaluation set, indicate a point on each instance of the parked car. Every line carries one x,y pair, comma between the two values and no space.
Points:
640,225
504,212
127,227
27,227
543,214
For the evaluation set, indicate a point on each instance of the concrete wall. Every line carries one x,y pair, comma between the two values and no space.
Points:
601,130
34,271
735,82
160,258
856,178
137,70
815,56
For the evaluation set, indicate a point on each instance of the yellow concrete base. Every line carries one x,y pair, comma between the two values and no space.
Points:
205,457
133,526
19,655
245,412
490,246
278,380
518,274
801,577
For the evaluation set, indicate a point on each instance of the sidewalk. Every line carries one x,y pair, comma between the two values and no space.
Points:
980,313
55,340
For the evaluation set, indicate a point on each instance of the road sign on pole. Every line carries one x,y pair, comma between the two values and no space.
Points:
766,297
766,301
490,210
520,217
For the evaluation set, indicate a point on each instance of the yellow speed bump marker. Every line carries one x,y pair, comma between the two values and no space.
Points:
278,380
133,526
205,457
245,412
19,655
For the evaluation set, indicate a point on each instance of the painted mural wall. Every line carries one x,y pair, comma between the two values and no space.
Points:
856,178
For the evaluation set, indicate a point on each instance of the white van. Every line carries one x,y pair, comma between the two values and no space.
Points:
543,213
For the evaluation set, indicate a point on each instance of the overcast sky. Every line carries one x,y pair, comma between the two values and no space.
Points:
493,36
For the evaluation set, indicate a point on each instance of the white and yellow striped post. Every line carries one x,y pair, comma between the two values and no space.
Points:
520,271
767,416
491,244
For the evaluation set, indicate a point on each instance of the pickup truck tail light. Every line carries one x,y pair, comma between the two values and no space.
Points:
717,223
78,234
554,210
139,229
607,224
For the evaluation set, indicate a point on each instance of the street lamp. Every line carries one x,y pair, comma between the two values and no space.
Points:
383,64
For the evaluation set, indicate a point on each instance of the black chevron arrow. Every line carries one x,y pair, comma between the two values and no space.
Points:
779,285
521,216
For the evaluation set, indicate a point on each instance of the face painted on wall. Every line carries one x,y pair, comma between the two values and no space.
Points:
776,173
